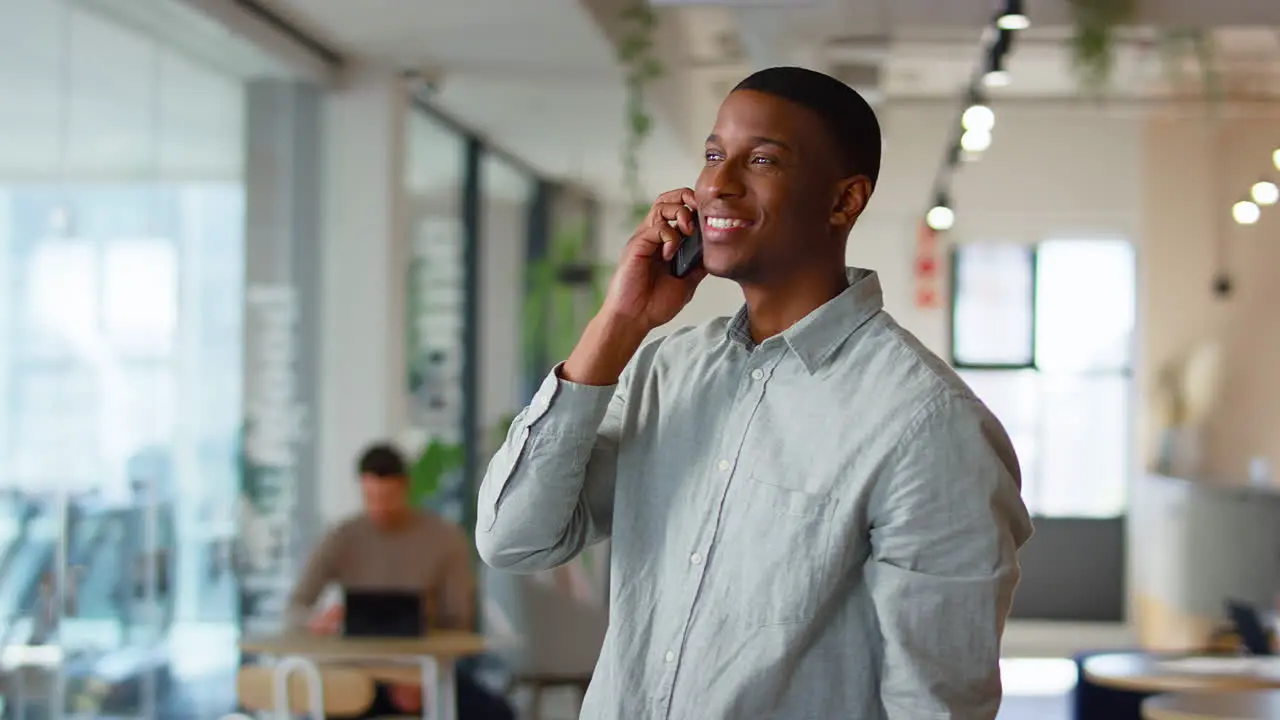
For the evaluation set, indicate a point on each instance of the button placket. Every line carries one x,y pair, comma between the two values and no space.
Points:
753,388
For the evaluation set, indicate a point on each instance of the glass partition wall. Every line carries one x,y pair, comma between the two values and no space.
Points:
121,284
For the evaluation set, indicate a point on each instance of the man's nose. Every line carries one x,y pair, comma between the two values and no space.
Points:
725,180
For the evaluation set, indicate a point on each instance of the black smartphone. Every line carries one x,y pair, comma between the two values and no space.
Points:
688,255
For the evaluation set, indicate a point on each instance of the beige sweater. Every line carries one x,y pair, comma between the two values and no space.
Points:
428,555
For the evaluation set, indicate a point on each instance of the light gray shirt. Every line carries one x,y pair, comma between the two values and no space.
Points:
824,525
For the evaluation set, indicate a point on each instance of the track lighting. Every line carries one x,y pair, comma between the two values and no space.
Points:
996,75
1265,192
979,116
940,217
1245,212
975,141
1013,17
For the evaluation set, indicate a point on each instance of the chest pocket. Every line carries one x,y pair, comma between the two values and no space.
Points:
777,548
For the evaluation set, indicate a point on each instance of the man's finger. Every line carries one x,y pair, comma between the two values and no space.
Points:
677,197
680,213
653,240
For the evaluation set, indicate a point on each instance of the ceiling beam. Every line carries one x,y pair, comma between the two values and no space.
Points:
300,50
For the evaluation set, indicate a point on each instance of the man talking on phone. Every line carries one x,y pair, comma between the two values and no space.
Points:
811,515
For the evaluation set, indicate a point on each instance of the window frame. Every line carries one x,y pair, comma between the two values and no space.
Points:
1126,372
1033,259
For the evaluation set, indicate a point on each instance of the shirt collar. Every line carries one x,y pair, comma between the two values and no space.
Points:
819,333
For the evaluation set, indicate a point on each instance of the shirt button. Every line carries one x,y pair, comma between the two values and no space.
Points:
723,465
695,558
757,374
669,657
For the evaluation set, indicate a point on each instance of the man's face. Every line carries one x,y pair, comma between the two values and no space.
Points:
770,196
386,499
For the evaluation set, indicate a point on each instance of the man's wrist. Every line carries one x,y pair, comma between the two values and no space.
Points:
606,346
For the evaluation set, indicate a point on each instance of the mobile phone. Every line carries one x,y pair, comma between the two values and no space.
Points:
688,255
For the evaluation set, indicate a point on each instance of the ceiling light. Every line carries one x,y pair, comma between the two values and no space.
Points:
975,141
978,116
1245,212
940,217
1265,192
1275,158
1013,18
995,74
996,78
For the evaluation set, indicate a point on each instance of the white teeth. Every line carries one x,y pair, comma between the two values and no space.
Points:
725,223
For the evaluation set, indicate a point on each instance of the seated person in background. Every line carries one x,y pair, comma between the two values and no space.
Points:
394,546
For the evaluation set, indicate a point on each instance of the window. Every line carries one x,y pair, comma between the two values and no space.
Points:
436,313
1044,336
122,259
993,324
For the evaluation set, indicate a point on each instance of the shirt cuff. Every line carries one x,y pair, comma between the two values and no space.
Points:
579,409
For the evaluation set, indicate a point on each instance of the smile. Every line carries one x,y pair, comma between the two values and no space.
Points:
723,223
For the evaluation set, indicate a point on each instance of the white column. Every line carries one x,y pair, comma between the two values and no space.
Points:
362,393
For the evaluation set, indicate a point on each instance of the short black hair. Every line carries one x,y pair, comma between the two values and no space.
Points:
382,460
849,118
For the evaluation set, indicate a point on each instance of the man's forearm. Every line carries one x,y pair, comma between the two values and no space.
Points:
548,492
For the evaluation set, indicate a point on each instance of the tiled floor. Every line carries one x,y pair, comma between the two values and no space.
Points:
1035,708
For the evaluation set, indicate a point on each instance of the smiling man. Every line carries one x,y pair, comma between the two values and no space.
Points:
811,515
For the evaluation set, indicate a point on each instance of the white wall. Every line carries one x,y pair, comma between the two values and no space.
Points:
362,394
1193,174
1055,170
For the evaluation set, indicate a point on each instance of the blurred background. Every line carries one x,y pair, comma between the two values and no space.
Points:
241,239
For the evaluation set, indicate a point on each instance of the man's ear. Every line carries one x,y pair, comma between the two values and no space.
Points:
851,200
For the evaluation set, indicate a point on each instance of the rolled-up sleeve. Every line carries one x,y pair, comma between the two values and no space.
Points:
946,525
548,491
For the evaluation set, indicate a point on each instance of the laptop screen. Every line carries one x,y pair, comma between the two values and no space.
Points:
383,614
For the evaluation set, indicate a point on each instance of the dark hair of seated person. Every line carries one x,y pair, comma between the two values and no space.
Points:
382,461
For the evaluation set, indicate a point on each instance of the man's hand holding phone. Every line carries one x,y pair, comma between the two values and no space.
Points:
643,293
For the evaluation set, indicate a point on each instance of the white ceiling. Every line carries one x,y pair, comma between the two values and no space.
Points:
932,48
538,79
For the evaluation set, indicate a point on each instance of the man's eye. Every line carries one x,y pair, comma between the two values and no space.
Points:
761,160
712,156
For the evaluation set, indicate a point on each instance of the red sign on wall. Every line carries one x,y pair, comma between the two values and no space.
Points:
928,268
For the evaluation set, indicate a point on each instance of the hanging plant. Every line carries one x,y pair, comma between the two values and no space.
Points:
1093,41
640,62
1180,44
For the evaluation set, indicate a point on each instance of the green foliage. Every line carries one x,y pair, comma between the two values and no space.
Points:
1179,44
1096,22
554,310
638,57
427,474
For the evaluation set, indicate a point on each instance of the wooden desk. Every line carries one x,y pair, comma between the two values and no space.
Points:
1257,705
383,659
441,644
1143,673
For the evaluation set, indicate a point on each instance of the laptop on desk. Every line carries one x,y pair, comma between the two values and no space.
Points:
383,614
